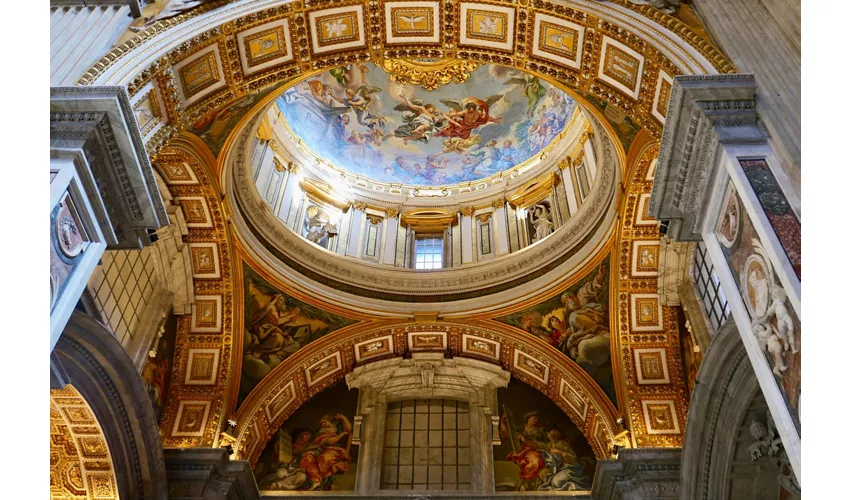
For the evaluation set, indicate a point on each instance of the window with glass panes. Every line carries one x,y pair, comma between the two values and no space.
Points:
426,445
428,252
708,288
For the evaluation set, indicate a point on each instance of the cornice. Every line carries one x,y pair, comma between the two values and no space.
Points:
251,216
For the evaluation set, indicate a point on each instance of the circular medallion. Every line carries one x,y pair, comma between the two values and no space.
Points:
68,234
729,224
756,283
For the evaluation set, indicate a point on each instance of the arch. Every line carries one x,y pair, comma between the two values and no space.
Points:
660,43
328,359
104,375
725,389
80,465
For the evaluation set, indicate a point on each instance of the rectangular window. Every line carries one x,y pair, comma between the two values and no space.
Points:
371,239
484,237
708,288
426,446
583,184
428,252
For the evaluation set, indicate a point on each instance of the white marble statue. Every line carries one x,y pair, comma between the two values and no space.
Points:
542,221
770,341
776,338
318,227
784,323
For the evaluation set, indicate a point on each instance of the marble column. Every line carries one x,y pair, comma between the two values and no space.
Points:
589,155
569,188
713,128
265,171
391,230
500,227
466,240
356,229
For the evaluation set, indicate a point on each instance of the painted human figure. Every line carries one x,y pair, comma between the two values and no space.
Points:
587,322
328,453
507,156
468,115
266,326
421,121
532,437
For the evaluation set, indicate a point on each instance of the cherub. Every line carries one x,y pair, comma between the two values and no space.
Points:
532,89
769,341
784,324
421,121
359,102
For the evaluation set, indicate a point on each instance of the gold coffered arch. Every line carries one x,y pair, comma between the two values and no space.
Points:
529,359
195,64
618,58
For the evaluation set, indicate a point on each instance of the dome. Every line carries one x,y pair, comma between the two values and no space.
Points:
357,119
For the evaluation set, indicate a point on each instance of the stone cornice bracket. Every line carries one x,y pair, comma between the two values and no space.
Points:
639,473
705,113
208,473
96,127
429,374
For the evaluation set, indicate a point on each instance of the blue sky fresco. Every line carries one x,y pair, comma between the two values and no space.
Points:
359,120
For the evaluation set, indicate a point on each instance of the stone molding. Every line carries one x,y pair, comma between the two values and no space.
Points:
705,112
639,473
117,175
426,375
208,473
252,217
724,389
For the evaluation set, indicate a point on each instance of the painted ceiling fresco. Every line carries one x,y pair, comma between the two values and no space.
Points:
577,323
356,118
276,325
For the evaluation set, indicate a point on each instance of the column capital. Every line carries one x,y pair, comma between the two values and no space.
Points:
467,211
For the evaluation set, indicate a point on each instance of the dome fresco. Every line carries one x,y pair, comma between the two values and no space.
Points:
357,119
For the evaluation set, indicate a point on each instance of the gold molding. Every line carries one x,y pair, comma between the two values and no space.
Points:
429,75
321,193
534,190
428,220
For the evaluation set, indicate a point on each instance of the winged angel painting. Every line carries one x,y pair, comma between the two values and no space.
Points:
356,118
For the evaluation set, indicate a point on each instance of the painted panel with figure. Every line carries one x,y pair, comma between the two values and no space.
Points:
156,374
774,322
215,126
541,450
276,325
356,118
312,450
577,323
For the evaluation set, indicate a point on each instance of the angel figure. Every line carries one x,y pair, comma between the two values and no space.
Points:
318,226
421,121
532,89
359,102
467,115
769,341
542,221
172,8
784,323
